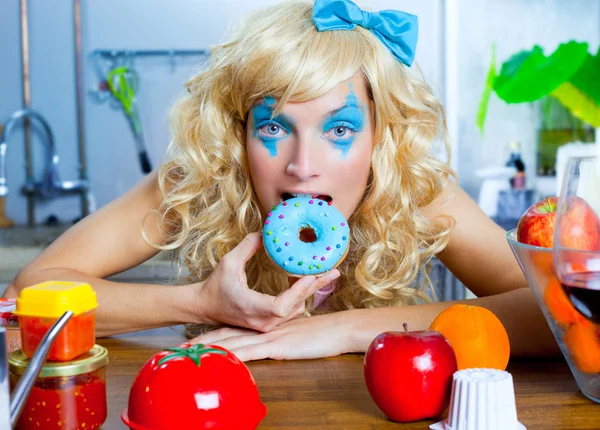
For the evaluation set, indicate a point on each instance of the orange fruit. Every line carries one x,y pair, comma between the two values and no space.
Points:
542,261
477,336
559,305
582,339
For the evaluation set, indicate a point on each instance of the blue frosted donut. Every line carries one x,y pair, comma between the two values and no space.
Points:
306,236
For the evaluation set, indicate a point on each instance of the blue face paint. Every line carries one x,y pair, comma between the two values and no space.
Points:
270,130
342,125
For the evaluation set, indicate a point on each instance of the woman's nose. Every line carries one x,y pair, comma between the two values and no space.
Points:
306,161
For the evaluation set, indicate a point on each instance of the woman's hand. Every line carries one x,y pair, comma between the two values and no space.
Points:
225,297
301,338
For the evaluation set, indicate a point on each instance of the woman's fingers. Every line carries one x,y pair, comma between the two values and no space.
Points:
264,312
258,351
234,343
285,302
299,311
244,250
221,334
288,301
264,306
322,282
247,308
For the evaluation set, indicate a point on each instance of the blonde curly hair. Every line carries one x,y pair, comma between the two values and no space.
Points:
209,203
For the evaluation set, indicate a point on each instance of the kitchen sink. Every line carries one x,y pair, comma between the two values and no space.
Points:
21,244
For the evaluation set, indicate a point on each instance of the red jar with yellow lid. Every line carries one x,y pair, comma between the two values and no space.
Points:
38,308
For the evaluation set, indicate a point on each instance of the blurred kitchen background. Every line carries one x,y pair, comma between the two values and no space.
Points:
59,57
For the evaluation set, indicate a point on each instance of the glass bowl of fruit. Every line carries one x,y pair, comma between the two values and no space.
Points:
577,335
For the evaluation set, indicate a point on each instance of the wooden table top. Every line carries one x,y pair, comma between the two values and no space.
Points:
331,393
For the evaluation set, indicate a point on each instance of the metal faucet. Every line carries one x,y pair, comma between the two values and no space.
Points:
50,186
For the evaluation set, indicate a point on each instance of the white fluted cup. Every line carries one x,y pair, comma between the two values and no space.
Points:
481,399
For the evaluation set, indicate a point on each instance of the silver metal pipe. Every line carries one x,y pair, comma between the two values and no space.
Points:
81,147
23,388
26,104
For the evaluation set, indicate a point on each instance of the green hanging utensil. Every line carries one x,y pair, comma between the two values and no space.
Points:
122,83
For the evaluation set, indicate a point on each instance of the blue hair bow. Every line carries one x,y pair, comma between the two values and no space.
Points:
397,30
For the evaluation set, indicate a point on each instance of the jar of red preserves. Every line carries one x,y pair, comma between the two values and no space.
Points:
38,308
66,395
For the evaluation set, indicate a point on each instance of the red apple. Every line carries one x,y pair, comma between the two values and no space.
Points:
580,226
536,226
409,374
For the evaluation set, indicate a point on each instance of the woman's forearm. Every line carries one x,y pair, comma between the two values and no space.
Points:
123,307
518,310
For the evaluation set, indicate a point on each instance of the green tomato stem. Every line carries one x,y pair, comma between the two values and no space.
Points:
194,353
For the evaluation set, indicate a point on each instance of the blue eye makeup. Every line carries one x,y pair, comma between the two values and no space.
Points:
342,126
270,130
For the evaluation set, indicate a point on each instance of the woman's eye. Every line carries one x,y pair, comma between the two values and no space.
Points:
272,130
340,132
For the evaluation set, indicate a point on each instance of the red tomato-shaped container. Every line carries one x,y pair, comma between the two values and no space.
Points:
194,387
